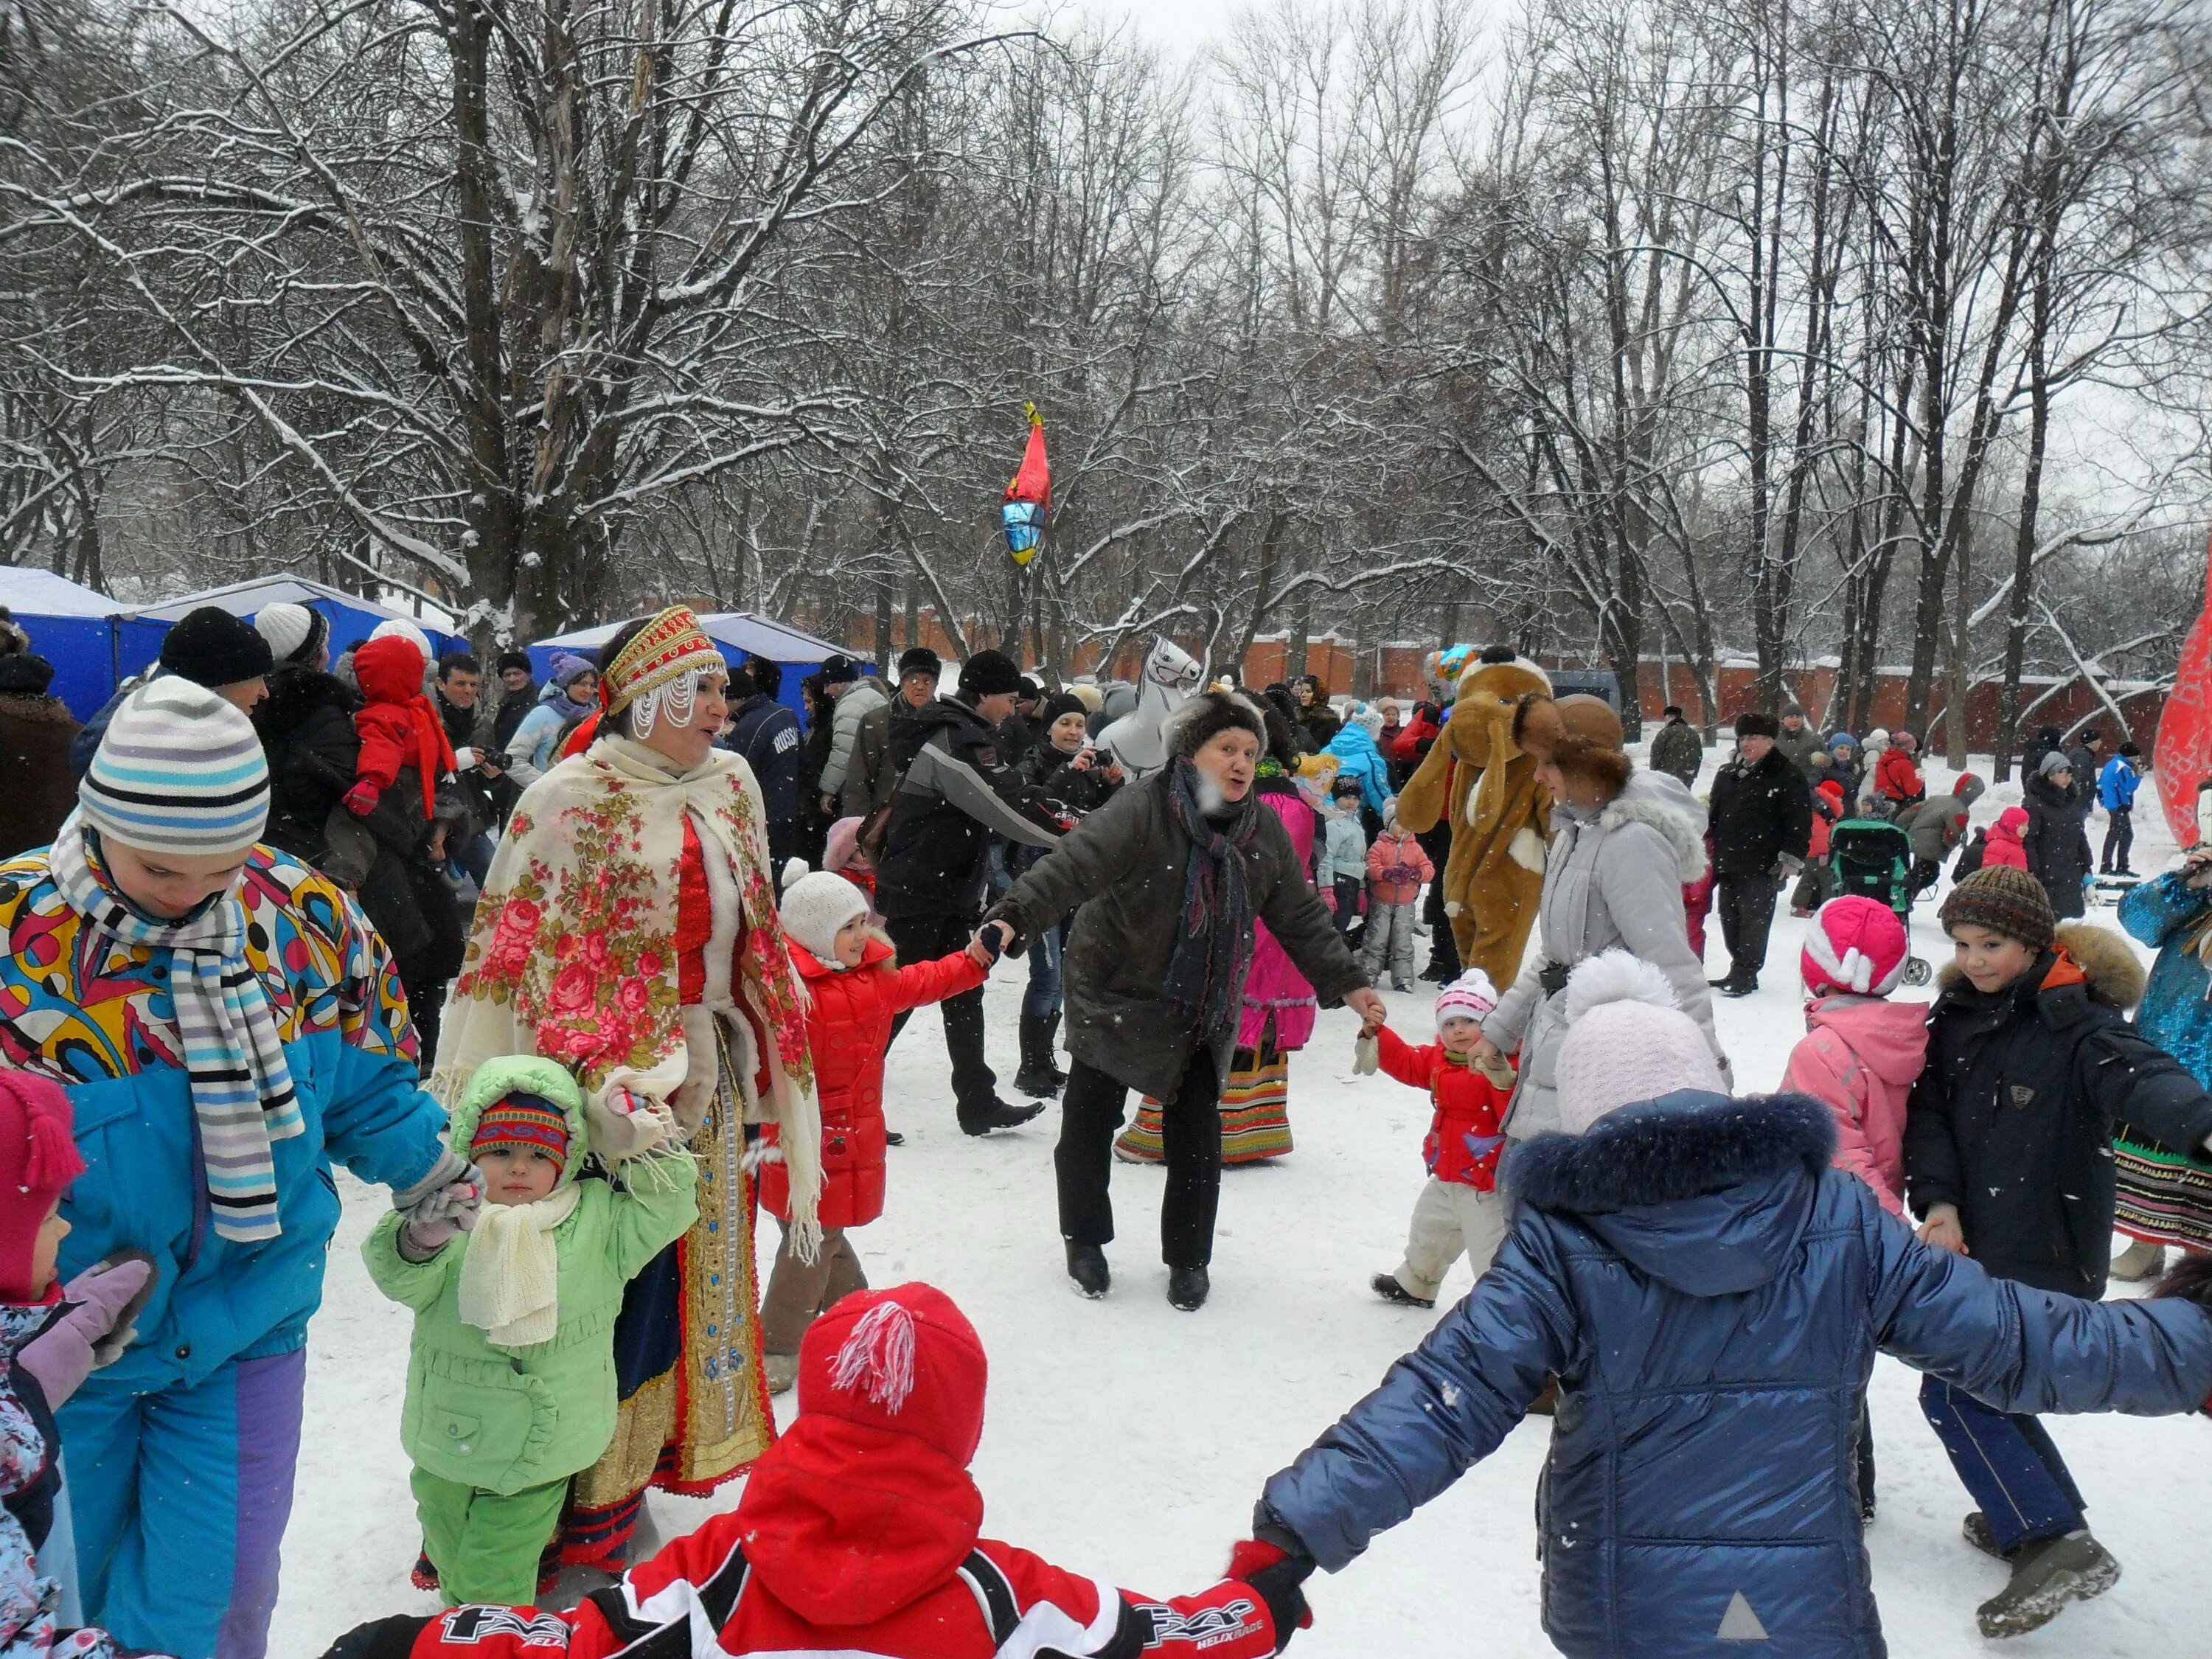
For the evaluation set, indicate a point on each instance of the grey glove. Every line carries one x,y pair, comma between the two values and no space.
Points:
431,1224
450,1168
1787,866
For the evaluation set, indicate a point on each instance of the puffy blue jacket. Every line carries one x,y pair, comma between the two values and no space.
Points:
1358,757
1711,1295
2117,785
2174,1013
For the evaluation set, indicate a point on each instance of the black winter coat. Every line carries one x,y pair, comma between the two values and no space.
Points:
2012,1120
2058,839
306,731
1758,814
1125,865
767,734
959,793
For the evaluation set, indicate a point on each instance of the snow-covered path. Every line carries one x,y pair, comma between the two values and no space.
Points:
1128,1440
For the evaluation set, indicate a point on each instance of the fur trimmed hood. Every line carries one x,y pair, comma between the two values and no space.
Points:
2115,974
1665,803
1703,1192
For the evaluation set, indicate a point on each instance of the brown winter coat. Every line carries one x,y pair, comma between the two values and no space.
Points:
1124,864
37,788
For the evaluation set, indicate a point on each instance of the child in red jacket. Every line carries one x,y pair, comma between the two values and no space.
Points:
859,1532
854,990
1896,780
397,727
1460,1209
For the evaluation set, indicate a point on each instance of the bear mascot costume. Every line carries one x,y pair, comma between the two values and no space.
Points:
1477,779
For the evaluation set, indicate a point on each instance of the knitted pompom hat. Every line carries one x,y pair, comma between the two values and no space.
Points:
1471,996
1856,945
180,770
2005,901
39,1159
903,1361
1627,1040
815,907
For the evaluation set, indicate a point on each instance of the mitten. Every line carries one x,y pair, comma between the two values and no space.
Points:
361,799
450,1168
431,1224
101,1302
1366,1055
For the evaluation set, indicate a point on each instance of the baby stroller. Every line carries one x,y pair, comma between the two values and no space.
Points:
1874,860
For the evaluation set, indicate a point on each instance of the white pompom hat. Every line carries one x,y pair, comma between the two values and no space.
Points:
815,907
1627,1040
1471,996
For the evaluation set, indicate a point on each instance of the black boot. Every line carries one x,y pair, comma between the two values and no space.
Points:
995,1113
1086,1266
1188,1288
1049,1051
1036,1076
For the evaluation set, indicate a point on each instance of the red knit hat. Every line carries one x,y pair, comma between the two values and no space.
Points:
39,1159
522,1119
904,1361
1856,945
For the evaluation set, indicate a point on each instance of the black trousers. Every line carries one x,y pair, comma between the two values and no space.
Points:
1747,908
1190,1131
925,939
2119,842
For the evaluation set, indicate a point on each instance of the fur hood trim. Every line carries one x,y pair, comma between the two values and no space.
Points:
1664,803
1681,1146
2115,974
35,708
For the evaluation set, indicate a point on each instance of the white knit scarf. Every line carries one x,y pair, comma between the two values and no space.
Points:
242,1093
511,1277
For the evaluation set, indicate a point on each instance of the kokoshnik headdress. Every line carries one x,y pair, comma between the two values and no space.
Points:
658,671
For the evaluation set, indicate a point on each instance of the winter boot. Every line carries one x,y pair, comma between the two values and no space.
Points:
1050,1048
1386,1286
2046,1575
1086,1266
1188,1288
782,1371
995,1113
1036,1076
2139,1261
1975,1529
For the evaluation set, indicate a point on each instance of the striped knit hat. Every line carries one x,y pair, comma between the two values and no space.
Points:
180,770
521,1119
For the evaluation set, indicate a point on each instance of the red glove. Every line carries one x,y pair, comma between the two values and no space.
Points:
361,799
1276,1576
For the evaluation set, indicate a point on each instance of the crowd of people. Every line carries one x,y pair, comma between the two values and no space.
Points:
587,973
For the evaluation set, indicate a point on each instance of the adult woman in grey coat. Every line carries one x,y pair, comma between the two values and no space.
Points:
1623,844
1170,876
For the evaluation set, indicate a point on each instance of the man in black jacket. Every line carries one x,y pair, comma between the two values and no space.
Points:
1762,827
959,793
767,734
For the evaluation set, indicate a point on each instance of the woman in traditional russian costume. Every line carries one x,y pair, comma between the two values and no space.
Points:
627,929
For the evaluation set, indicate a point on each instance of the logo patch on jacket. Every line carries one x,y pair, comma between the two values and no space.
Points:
2022,1096
466,1626
1207,1627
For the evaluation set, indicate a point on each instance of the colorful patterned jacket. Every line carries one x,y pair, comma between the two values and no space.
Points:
95,1017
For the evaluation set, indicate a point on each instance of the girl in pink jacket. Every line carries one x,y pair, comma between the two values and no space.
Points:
1861,1053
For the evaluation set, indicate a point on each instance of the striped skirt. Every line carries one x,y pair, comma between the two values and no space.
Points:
2165,1197
1255,1113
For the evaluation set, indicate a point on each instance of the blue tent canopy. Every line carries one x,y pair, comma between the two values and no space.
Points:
741,633
351,618
72,626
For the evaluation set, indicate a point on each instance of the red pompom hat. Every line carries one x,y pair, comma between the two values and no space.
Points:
39,1159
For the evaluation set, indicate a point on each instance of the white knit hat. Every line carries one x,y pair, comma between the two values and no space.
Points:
406,630
1471,996
1369,719
1627,1040
815,907
178,770
286,626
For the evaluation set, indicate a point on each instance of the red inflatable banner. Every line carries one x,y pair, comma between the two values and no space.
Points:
2183,754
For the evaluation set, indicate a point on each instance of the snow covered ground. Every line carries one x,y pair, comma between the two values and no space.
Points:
1128,1440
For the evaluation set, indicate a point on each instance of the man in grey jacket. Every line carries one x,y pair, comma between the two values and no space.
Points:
855,696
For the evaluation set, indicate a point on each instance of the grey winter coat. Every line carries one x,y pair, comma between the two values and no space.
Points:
1613,878
1679,751
1799,747
1124,864
871,776
852,708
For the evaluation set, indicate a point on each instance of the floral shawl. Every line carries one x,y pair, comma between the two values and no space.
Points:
572,957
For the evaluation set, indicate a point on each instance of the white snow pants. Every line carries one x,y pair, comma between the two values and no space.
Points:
1449,1219
1390,927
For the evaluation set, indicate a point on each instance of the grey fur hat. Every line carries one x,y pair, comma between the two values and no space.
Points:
1206,716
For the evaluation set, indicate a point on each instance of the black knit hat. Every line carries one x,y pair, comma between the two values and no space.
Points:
990,674
839,670
1206,716
2005,901
919,659
1029,690
1752,724
26,673
1059,703
212,647
516,659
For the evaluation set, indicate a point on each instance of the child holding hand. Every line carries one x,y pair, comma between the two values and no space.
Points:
511,1375
1460,1210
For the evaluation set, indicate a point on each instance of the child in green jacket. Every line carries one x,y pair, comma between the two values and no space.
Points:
511,1376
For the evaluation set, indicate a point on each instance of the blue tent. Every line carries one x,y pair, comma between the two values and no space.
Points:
351,618
72,626
741,633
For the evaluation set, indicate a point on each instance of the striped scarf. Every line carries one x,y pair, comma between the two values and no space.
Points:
234,1058
1214,938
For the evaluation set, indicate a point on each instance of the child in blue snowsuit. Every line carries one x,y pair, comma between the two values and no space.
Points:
153,933
2116,793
